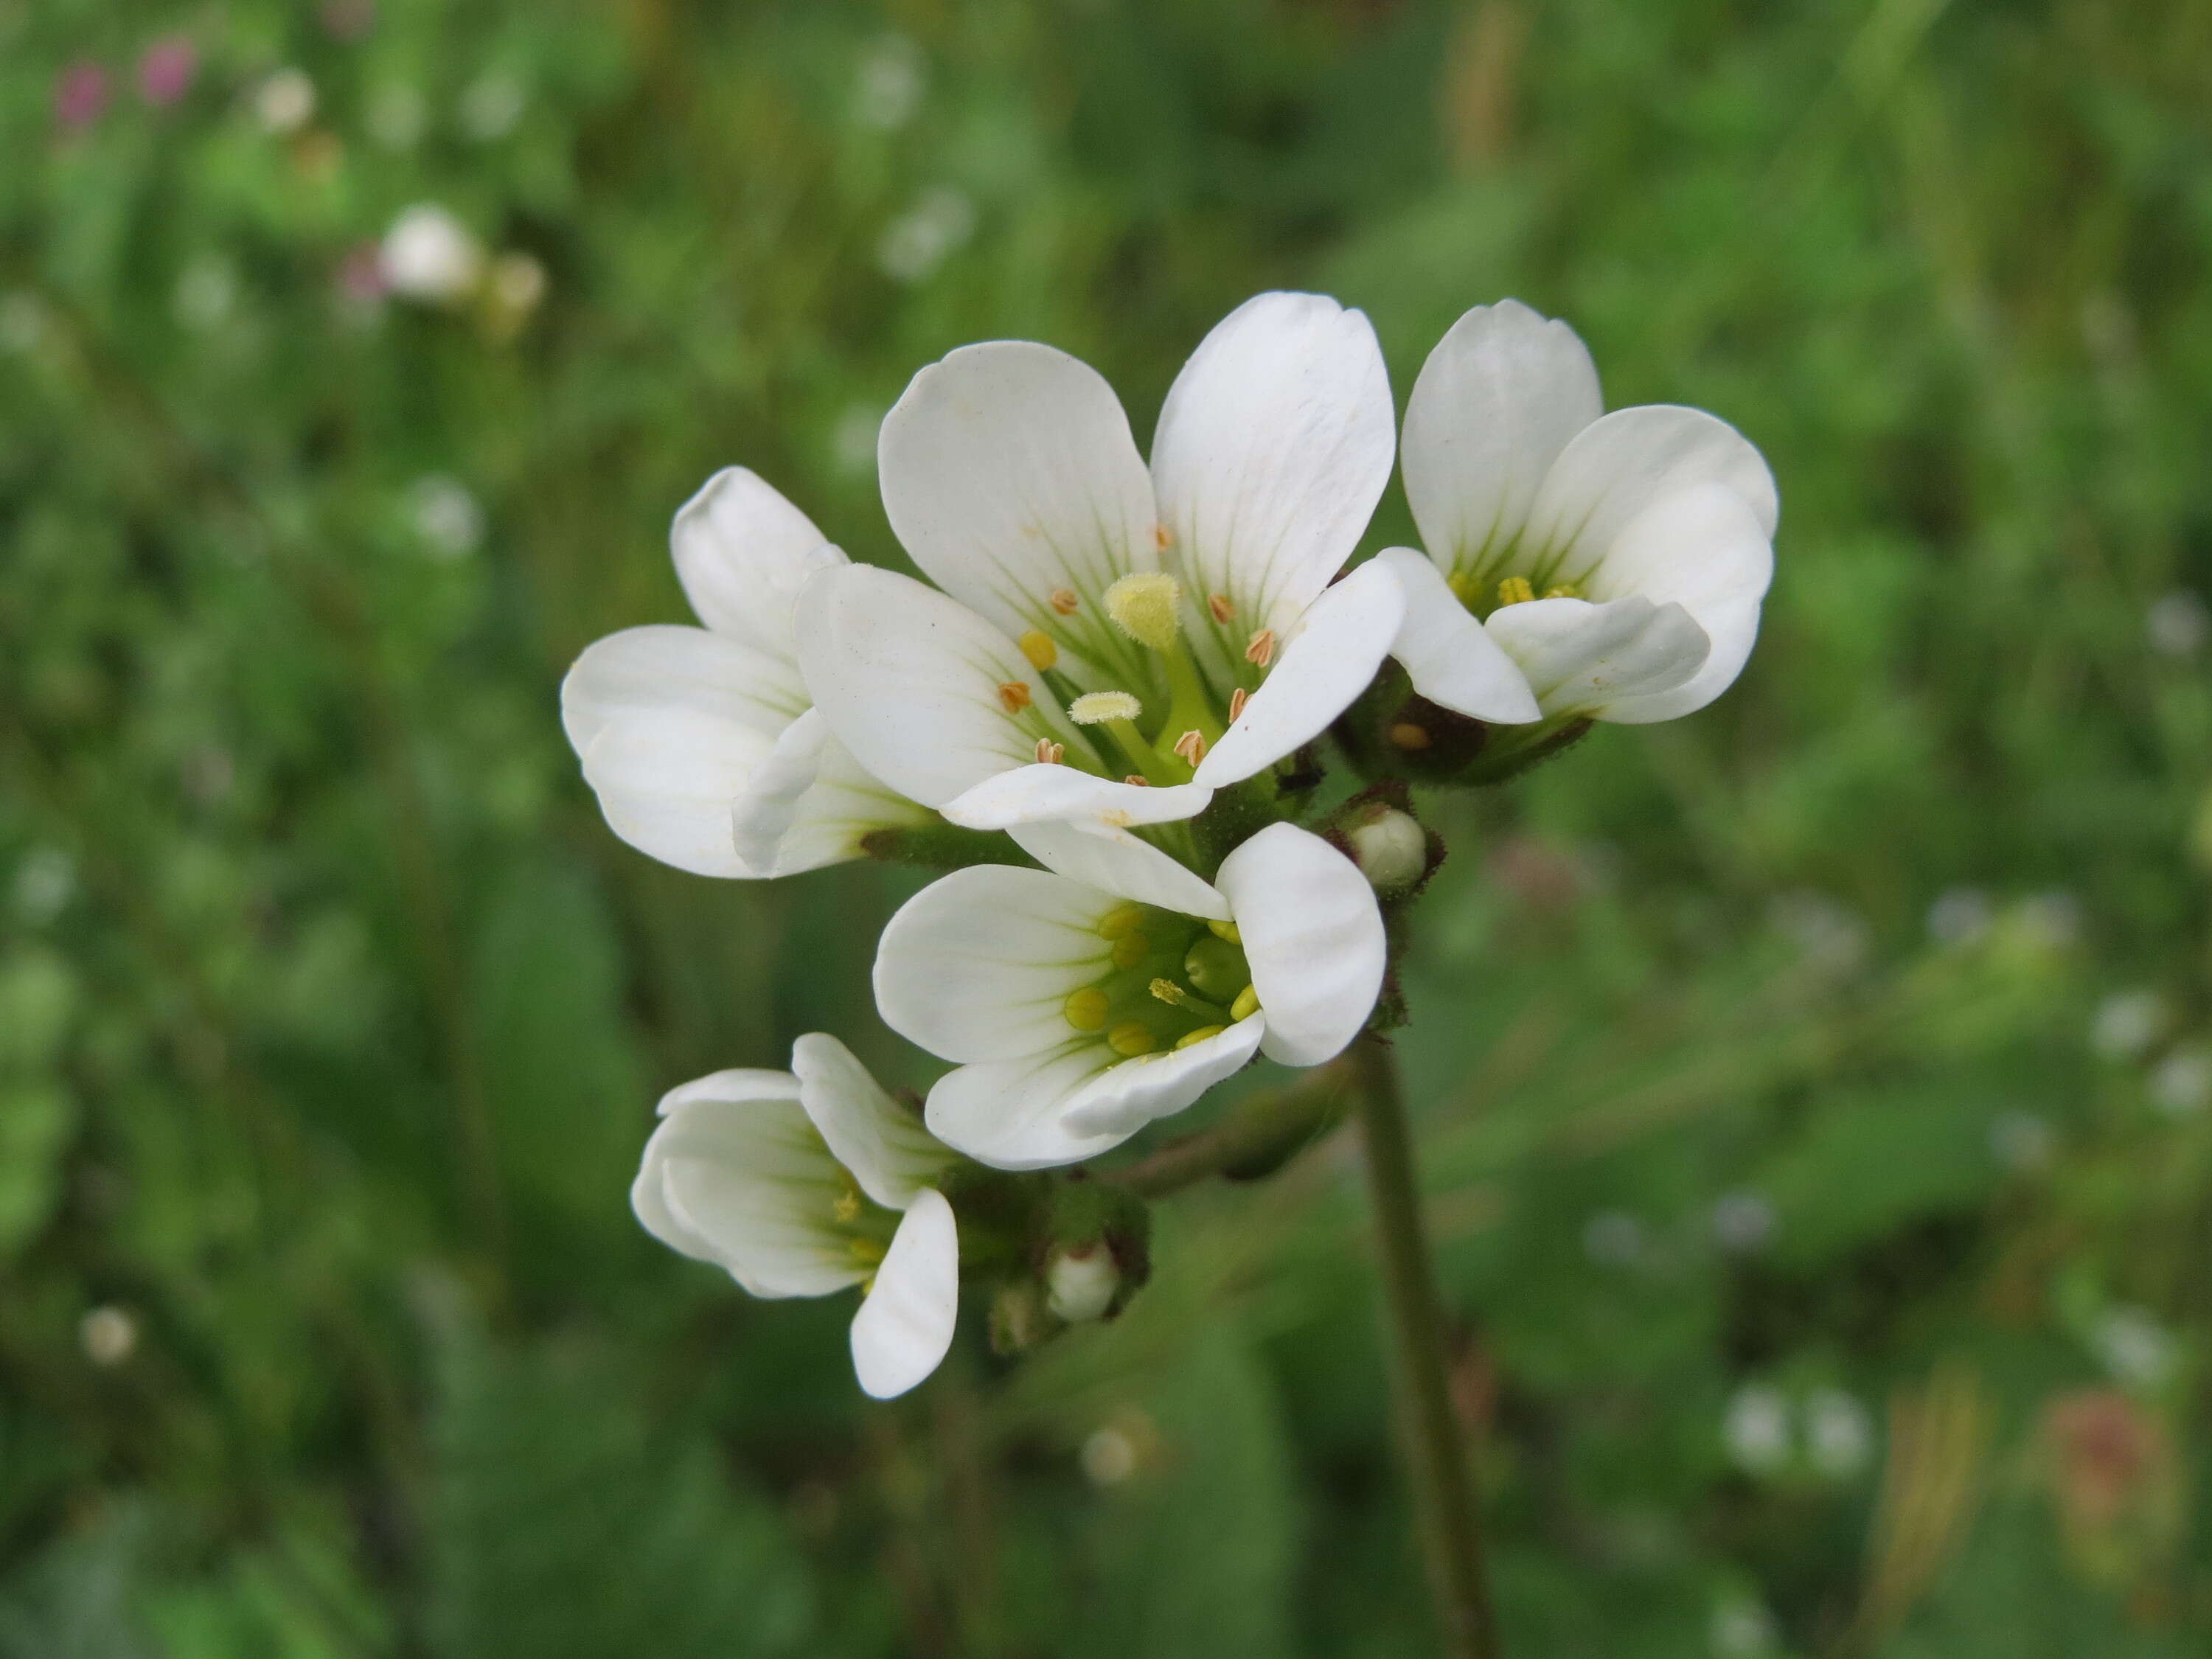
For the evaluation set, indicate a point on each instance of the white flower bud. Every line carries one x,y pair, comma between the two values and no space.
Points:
1081,1282
1391,849
428,254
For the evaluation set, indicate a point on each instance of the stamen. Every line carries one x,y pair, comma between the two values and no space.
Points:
1192,1039
865,1251
1219,607
1237,699
1167,991
1246,1005
1563,591
1139,780
1465,588
1036,645
1121,920
1048,753
847,1206
1085,1010
1144,606
1162,538
1096,707
1514,590
1132,1039
1262,648
1014,696
1406,735
1132,948
1225,930
1191,745
1063,600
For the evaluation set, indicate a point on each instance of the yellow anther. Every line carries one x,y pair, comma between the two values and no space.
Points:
1036,645
1049,753
1162,538
1563,591
1191,1038
1139,779
1262,648
865,1251
1014,696
847,1206
1085,1010
1237,699
1132,948
1144,606
1225,930
1465,588
1191,745
1132,1039
1096,707
1406,735
1219,607
1063,600
1515,590
1121,920
1246,1005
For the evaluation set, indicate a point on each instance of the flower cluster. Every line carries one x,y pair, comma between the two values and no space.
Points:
1106,708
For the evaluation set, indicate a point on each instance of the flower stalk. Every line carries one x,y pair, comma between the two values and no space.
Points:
1436,1458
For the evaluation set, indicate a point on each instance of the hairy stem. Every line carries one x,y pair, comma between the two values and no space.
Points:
1436,1451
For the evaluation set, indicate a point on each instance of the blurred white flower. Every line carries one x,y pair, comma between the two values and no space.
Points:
1109,1455
915,243
1613,1238
207,292
2133,1347
22,321
1743,1222
1838,1433
1756,1429
2126,1023
2176,623
1832,936
445,516
491,105
44,881
889,86
397,115
1959,915
109,1335
517,282
285,101
2022,1141
1742,1629
853,440
429,255
2181,1084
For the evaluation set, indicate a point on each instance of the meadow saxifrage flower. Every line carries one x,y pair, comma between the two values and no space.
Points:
699,742
1081,1011
805,1182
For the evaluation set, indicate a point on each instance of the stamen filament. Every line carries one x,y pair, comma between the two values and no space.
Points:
1175,996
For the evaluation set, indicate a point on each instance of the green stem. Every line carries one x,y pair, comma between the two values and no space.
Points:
1436,1452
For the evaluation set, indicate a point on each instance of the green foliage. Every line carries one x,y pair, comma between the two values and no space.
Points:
1831,1067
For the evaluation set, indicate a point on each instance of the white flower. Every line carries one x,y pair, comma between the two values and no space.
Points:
802,1182
1617,562
285,102
1201,589
699,741
1838,1433
1757,1430
429,255
1081,1011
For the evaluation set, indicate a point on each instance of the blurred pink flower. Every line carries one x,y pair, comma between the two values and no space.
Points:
80,96
360,275
166,70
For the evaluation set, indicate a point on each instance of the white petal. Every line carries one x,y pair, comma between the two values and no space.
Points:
738,1083
883,1144
1273,448
1733,633
904,1327
1313,935
743,552
831,821
1449,658
1581,658
1496,403
763,813
1620,464
978,964
1009,473
1123,1100
1009,1112
910,681
663,667
747,1184
1331,655
1044,794
1115,861
665,781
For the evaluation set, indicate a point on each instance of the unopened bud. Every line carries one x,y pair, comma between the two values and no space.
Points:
1081,1282
1390,849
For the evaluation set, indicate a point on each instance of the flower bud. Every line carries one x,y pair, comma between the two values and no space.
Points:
1390,847
1081,1282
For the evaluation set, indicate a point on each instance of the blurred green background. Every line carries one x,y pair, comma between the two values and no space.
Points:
1813,1092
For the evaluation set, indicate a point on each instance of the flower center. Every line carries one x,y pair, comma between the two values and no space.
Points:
1485,599
1174,980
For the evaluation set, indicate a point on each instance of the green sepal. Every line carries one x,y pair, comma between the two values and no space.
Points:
942,846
